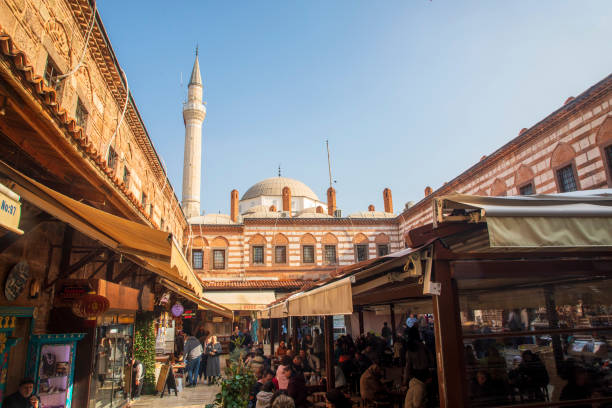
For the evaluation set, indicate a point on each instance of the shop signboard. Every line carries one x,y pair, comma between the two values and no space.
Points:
10,210
188,314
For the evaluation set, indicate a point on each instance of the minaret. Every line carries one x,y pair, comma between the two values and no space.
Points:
194,113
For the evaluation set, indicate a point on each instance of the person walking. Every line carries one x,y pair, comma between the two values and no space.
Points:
317,345
213,364
193,355
203,338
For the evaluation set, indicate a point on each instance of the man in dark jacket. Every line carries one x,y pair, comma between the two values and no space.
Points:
193,355
24,397
297,384
138,375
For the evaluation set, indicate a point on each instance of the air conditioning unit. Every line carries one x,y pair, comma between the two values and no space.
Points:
338,213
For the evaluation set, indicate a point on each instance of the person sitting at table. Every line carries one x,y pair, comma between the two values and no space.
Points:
338,400
371,386
283,372
577,387
263,377
305,363
24,397
282,349
264,397
257,361
297,384
416,397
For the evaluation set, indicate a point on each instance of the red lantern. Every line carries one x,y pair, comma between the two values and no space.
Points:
90,306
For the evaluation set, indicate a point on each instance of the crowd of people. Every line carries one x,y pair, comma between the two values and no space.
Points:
201,354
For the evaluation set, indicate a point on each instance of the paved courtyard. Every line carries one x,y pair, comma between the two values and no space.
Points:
193,397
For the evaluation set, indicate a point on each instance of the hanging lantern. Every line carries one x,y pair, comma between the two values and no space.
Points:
90,306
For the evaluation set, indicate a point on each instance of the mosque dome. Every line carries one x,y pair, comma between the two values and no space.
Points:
273,186
371,214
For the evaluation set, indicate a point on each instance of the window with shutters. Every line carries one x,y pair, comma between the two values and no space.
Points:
112,158
330,255
258,255
126,177
566,179
51,74
361,252
308,256
80,114
198,259
218,258
280,254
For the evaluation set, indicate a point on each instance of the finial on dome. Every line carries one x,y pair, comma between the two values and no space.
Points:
279,171
196,78
197,48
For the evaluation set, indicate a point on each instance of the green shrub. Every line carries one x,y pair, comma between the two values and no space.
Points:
144,347
236,384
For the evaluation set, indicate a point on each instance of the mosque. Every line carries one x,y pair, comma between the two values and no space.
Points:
280,235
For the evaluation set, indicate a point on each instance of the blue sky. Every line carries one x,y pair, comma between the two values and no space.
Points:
409,93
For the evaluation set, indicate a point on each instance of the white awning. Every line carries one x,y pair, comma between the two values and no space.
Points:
331,299
242,300
582,219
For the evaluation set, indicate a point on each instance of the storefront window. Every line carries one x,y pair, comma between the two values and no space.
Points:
546,343
112,353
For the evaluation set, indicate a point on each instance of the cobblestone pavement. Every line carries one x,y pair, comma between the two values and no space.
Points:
192,397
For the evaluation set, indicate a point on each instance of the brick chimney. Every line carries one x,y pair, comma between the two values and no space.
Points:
371,207
428,191
287,200
273,208
319,209
388,199
331,201
234,205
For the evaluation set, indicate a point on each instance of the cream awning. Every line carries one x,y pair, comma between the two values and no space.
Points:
10,210
332,299
580,219
242,300
154,250
203,303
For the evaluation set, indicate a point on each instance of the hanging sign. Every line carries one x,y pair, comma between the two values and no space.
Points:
188,314
10,210
177,309
16,280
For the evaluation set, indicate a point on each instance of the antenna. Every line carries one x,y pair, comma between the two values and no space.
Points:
328,163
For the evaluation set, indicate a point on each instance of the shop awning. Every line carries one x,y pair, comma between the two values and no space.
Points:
581,219
242,300
154,250
10,210
203,303
331,299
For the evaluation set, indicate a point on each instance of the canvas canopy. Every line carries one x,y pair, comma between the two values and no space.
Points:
153,249
335,298
203,303
242,300
581,219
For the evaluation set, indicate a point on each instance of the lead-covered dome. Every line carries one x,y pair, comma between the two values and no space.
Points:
273,186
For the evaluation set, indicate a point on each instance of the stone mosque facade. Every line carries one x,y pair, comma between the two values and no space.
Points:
280,235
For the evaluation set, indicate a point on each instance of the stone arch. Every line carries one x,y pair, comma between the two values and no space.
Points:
360,239
604,134
200,242
562,154
382,238
280,239
329,239
257,239
57,32
523,175
220,242
498,188
308,239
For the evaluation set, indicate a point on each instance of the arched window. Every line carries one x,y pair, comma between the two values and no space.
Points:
361,245
330,249
308,243
219,247
258,249
280,243
604,141
562,163
498,188
523,180
382,244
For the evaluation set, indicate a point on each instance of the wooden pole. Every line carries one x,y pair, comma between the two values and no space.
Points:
449,341
329,352
360,313
272,336
392,312
294,333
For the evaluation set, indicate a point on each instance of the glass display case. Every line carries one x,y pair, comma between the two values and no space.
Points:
112,355
51,364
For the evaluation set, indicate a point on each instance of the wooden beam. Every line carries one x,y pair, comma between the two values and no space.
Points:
452,383
392,313
273,334
386,295
329,352
360,314
110,266
125,272
7,240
